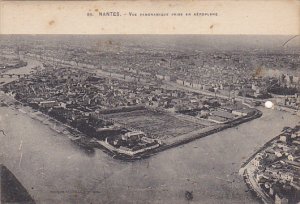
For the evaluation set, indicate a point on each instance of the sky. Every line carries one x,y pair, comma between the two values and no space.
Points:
193,42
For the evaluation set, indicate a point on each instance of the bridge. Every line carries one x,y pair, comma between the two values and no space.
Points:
13,75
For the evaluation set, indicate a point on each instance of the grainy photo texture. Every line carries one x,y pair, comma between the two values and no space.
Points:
149,119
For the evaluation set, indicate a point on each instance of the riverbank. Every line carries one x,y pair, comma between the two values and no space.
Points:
74,135
90,143
181,140
198,166
247,173
261,169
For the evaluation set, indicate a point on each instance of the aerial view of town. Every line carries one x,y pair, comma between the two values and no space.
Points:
274,171
102,108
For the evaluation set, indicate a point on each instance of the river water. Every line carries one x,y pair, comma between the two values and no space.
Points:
31,64
54,170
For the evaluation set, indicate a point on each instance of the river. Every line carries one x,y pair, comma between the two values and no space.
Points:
54,170
31,64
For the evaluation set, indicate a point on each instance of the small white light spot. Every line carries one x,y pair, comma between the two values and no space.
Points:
269,104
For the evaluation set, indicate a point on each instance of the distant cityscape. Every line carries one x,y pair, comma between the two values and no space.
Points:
133,103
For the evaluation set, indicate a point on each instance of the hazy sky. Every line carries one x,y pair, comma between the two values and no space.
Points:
171,41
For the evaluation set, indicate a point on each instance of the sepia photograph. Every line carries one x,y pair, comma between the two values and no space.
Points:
157,119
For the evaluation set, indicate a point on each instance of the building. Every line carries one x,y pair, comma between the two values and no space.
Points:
242,112
280,199
134,135
287,176
48,104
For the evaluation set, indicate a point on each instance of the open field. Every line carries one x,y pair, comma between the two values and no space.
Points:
157,124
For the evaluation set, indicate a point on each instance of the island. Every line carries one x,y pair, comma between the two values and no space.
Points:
128,118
